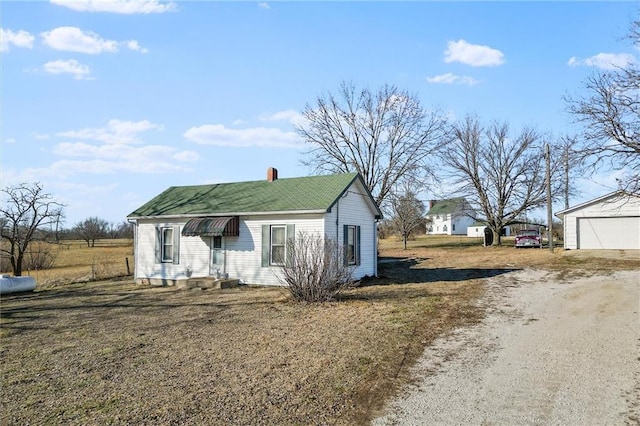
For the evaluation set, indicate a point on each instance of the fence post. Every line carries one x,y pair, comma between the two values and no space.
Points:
126,260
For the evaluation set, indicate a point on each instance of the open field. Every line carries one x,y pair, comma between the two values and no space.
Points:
113,352
75,262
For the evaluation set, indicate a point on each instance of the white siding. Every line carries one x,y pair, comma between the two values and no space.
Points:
461,224
352,209
438,224
476,231
243,254
462,217
607,208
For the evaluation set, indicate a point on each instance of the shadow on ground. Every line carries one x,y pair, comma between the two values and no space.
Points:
404,271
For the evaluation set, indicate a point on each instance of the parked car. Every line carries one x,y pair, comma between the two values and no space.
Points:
528,238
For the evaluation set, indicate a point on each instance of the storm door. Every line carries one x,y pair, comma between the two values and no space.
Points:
217,256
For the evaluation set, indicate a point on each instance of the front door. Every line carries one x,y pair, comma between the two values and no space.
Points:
217,256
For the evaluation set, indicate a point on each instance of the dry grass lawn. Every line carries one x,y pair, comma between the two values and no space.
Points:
112,352
75,262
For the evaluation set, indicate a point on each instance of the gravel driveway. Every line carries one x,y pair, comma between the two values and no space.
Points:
550,351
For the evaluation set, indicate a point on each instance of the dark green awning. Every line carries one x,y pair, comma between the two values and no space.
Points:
212,227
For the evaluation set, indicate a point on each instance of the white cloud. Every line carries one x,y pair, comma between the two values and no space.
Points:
123,153
289,115
450,78
118,149
73,39
217,134
264,5
472,54
20,38
604,61
186,156
71,66
82,158
133,45
65,168
10,140
125,7
115,132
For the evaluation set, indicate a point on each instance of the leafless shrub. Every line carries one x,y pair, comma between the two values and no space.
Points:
39,258
103,267
315,269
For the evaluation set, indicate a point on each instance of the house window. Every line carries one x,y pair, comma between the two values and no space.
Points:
444,228
453,227
217,242
351,245
278,248
274,244
167,244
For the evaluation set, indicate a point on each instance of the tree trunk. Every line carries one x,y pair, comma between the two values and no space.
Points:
17,267
496,238
404,238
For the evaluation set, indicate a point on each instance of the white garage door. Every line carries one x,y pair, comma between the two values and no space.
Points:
609,233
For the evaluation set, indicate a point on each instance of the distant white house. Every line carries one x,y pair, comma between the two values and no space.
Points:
608,222
240,229
449,217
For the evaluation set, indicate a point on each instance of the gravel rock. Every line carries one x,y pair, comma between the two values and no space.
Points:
550,351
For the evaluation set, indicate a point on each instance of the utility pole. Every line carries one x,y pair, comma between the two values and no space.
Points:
549,208
566,177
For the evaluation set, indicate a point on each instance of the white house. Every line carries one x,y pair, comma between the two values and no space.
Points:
609,222
449,217
239,229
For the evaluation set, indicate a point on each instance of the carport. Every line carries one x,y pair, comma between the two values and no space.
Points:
608,222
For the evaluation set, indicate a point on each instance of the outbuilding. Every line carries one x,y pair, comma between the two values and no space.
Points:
608,222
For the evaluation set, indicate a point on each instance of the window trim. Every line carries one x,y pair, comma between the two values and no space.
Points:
174,242
164,244
346,230
272,262
267,252
351,248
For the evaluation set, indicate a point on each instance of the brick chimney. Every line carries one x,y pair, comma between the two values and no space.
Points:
272,174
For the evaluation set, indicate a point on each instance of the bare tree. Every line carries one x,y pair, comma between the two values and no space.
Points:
92,229
315,269
610,115
386,136
570,161
408,213
26,212
503,175
123,229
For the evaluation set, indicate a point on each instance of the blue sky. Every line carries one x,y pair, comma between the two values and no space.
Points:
108,104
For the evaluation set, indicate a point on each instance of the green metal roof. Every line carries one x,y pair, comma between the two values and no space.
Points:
445,206
313,193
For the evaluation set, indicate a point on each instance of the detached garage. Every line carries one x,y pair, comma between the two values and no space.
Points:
609,222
